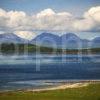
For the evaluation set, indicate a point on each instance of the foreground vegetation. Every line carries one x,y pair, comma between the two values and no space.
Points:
91,92
11,48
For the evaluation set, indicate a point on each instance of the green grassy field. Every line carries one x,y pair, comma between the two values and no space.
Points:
91,92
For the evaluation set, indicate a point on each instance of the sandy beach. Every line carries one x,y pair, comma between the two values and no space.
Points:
75,85
61,86
66,86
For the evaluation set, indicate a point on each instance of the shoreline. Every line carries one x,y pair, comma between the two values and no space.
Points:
84,91
63,86
66,85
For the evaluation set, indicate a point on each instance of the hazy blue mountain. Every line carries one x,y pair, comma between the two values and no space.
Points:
69,40
47,39
11,38
95,42
69,36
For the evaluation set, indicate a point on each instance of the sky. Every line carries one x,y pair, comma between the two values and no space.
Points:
25,17
76,7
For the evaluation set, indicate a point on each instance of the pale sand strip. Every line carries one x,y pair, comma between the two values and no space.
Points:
61,87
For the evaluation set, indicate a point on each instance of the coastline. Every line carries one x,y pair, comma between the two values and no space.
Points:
87,90
63,86
67,85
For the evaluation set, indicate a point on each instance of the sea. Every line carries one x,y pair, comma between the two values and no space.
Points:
43,70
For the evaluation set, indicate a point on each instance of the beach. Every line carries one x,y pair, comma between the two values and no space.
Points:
63,86
87,90
58,85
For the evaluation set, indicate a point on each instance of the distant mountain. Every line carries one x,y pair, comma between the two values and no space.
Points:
95,43
66,41
69,36
11,38
46,39
69,40
96,40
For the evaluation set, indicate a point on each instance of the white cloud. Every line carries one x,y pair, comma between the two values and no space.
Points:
25,34
16,18
93,13
44,20
83,24
47,12
49,20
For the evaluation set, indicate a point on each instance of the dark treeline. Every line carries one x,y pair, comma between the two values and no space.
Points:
11,48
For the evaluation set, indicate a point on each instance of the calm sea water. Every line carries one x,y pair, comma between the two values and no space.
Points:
31,71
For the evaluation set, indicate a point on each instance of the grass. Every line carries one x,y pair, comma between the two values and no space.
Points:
91,92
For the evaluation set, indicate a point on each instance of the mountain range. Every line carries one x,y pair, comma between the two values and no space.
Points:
69,40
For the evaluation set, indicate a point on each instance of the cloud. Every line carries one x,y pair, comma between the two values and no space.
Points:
48,19
44,20
46,12
90,21
25,34
83,25
93,13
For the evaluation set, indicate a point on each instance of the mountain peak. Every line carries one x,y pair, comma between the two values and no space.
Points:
69,35
10,38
